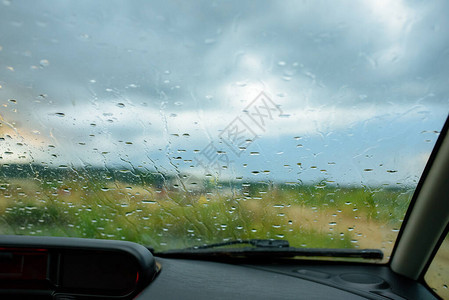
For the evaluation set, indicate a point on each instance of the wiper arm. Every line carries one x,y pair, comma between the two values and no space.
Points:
266,248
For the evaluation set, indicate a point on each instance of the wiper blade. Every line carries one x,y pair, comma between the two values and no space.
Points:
259,243
267,248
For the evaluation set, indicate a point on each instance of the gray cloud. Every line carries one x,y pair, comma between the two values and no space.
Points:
208,60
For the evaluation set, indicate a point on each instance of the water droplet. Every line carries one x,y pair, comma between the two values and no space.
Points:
44,63
209,41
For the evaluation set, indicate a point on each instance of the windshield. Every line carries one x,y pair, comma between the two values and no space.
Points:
177,124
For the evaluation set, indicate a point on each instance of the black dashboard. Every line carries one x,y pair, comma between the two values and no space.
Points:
72,268
190,279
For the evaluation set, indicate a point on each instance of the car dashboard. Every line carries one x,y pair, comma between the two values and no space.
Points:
72,268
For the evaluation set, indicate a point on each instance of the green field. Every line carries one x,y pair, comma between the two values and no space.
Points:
167,214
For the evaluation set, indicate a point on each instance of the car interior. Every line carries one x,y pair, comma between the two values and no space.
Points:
139,215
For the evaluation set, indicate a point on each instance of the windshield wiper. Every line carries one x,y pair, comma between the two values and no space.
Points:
266,248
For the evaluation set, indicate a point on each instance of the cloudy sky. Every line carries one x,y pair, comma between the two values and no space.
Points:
354,92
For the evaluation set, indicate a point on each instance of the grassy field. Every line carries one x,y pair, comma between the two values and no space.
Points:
171,216
437,276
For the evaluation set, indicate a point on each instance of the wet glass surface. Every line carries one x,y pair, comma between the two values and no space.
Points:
176,124
437,275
